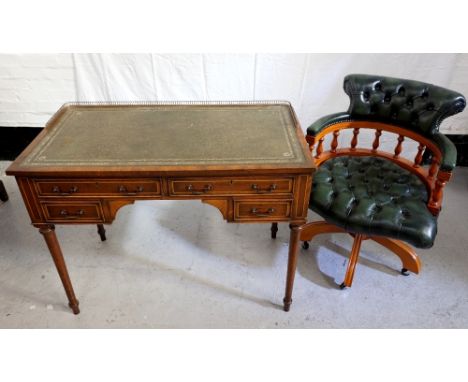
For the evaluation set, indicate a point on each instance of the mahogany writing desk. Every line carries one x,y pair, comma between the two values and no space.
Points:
249,160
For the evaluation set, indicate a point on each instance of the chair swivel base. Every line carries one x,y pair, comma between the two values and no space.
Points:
408,257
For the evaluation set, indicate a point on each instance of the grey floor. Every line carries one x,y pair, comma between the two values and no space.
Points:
177,264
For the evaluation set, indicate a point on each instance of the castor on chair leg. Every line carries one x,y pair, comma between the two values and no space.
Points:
342,286
404,272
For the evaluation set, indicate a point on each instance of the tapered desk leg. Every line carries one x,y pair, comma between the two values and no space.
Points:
292,262
51,239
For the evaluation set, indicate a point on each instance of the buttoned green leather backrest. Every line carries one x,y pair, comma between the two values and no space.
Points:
418,106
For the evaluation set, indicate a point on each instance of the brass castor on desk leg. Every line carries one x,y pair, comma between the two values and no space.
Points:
74,308
404,272
286,305
305,245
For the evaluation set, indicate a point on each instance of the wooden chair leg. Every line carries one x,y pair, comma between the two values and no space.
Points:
101,231
3,193
408,256
310,230
353,258
274,229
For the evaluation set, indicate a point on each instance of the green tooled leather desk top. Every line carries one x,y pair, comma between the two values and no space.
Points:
169,134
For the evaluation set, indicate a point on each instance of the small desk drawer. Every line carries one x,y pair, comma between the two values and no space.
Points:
101,188
207,186
262,210
86,212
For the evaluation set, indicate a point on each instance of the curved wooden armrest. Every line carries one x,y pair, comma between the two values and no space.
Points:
435,177
326,121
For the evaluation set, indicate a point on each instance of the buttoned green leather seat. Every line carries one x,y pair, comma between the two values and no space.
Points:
373,196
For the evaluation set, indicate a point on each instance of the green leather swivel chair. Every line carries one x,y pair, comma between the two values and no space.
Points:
376,194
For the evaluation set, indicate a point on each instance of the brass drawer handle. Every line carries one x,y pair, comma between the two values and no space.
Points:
66,215
206,188
72,190
272,188
268,212
124,190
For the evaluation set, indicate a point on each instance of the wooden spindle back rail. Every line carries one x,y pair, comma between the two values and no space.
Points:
433,168
398,147
319,148
376,143
334,143
433,178
354,141
419,155
435,201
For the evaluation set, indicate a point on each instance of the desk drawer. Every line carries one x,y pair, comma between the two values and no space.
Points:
228,186
100,188
273,210
86,212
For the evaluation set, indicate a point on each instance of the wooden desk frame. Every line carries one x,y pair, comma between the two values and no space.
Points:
258,193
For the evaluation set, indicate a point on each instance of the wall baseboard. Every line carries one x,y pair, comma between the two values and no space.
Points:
13,140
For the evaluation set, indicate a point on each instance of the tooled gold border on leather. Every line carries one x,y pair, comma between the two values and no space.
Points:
296,153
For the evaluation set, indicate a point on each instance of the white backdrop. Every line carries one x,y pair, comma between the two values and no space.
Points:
32,87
